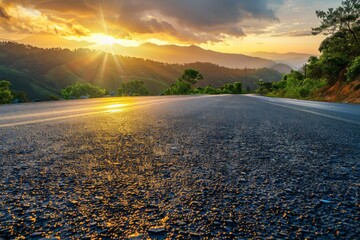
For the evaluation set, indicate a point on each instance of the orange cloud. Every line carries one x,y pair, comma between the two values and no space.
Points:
21,19
185,21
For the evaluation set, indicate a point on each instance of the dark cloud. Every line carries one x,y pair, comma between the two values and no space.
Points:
200,15
209,20
189,20
3,13
154,25
63,6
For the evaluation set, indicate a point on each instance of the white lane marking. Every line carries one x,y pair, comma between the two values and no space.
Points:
309,111
327,106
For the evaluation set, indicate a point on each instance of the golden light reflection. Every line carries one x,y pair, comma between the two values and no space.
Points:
114,108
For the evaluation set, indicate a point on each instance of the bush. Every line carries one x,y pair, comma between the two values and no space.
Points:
19,97
232,88
354,70
304,92
211,90
293,87
133,88
237,88
178,88
229,88
82,89
5,92
53,97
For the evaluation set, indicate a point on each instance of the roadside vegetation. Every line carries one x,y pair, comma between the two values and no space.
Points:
292,85
339,62
5,92
185,85
8,95
229,88
85,90
133,88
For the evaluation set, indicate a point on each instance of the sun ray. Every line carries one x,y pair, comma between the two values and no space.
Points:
118,64
103,67
85,63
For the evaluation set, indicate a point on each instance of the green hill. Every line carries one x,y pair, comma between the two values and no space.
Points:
41,73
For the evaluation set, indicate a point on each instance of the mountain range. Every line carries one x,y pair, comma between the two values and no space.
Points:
45,40
189,54
177,54
292,59
42,73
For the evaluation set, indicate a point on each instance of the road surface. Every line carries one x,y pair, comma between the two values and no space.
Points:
225,166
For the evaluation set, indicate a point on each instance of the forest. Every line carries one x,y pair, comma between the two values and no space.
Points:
42,73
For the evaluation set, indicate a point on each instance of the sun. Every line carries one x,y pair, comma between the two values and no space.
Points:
102,39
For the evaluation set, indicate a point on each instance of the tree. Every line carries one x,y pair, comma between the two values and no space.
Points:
191,76
237,88
354,70
232,88
133,88
313,68
185,83
5,92
345,18
261,86
264,87
82,89
342,46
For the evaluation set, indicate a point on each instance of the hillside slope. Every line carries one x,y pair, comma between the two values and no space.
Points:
44,72
341,92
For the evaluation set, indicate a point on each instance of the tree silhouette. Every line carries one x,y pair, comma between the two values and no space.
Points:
344,18
191,76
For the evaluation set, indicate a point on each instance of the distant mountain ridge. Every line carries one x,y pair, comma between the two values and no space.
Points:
294,60
41,73
46,40
162,53
178,54
188,54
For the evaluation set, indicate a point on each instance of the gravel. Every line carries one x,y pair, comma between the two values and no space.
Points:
222,167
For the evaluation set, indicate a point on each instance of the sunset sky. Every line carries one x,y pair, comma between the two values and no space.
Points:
235,26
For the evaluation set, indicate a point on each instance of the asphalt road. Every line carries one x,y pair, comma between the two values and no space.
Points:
186,167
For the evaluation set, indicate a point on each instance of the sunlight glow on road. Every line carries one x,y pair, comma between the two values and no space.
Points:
113,108
64,110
